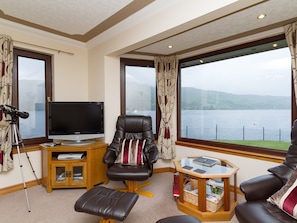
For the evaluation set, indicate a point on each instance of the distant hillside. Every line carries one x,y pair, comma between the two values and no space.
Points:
144,98
196,99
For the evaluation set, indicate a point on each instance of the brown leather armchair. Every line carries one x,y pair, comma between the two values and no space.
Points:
132,127
258,189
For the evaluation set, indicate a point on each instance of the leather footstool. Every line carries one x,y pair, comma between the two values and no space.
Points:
107,203
179,219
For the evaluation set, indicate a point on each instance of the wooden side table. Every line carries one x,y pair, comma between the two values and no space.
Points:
223,170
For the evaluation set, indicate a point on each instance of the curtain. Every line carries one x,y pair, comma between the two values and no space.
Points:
291,34
166,72
6,62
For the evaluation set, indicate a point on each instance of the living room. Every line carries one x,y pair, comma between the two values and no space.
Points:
91,71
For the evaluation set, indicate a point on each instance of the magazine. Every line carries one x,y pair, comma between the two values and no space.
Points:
205,161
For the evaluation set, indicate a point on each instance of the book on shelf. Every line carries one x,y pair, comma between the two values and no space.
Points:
213,192
205,161
215,183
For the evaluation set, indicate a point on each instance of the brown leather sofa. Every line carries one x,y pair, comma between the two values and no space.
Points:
256,209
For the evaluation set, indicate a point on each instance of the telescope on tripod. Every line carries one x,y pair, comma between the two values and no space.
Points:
16,140
14,114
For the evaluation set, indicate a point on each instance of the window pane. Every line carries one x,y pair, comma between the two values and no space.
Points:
31,81
243,100
141,92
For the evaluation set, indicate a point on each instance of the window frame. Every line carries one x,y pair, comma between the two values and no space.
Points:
232,147
48,86
140,63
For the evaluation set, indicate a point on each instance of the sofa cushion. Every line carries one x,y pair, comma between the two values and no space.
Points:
131,152
286,197
261,212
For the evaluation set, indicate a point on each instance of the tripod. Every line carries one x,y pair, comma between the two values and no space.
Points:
16,140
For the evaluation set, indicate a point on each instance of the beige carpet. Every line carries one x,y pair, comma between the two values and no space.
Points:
57,206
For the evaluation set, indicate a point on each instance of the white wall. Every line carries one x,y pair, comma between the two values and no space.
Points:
70,82
248,168
70,72
14,176
104,61
93,73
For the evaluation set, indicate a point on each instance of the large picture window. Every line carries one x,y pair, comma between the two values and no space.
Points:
242,96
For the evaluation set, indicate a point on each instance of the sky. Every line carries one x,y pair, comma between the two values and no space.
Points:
31,69
267,73
141,75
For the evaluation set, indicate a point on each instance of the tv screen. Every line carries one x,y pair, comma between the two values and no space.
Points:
75,121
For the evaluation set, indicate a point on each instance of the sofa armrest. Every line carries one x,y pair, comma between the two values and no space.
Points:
261,188
282,171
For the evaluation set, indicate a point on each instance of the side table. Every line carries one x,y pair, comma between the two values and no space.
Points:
223,170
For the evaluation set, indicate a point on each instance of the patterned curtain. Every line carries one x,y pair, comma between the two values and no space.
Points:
6,62
166,72
291,35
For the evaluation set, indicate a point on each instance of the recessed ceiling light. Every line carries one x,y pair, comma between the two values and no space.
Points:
261,16
274,45
201,61
170,46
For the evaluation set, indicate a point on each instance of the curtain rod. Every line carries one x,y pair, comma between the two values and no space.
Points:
59,51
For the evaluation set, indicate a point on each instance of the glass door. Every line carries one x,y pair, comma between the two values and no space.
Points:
78,174
59,174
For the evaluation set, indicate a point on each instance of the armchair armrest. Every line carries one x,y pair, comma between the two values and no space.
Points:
109,157
260,188
152,153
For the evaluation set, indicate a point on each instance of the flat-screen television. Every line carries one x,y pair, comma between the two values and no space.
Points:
75,123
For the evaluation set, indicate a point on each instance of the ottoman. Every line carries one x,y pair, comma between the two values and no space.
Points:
107,203
179,219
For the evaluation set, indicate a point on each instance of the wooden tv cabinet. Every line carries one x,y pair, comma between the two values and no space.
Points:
73,173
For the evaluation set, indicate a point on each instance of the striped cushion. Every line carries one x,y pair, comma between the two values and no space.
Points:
131,152
288,202
286,197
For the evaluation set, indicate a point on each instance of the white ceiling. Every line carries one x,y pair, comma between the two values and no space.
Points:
72,17
232,26
84,20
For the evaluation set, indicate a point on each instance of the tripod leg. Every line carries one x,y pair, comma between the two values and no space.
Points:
21,165
25,150
28,158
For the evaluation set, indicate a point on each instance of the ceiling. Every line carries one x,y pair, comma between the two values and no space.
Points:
84,20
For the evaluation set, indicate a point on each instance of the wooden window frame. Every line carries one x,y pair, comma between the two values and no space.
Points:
227,147
140,63
48,86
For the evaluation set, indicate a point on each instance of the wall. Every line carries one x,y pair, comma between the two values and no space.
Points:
93,73
105,60
248,168
70,69
70,82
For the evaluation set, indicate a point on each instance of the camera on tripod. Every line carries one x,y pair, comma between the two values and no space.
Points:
13,112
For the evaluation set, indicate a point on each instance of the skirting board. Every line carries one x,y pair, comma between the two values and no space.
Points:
33,183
